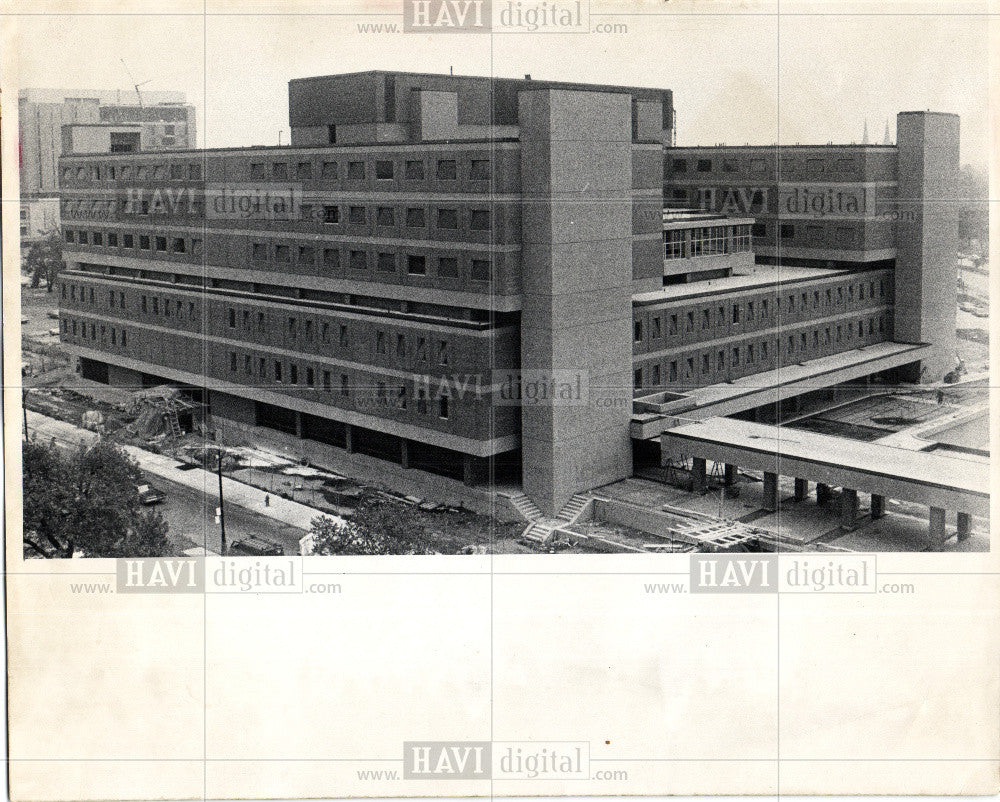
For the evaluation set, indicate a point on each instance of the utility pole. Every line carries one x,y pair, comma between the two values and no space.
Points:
222,511
24,409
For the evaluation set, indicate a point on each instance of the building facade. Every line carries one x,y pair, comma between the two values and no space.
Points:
375,286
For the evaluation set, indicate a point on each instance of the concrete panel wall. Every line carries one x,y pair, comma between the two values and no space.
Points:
927,236
577,253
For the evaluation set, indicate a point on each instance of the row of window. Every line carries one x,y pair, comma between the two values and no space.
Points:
383,394
751,312
159,243
799,346
175,171
686,243
360,260
388,216
118,336
288,170
762,166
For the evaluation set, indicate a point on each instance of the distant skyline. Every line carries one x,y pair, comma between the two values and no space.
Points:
737,78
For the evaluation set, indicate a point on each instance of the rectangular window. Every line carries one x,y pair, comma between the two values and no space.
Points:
448,267
307,254
128,241
359,260
331,215
112,240
283,253
355,171
680,165
257,170
656,328
194,171
787,231
277,370
279,171
331,257
479,220
293,373
161,243
327,384
178,245
383,170
442,352
415,217
356,215
447,170
479,170
414,171
329,170
637,379
387,262
400,346
480,270
259,252
176,172
637,331
247,364
416,265
232,317
304,170
673,244
704,165
310,377
344,340
84,238
232,361
385,216
447,218
98,238
345,385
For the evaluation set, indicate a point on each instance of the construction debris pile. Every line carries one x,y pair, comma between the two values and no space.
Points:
159,412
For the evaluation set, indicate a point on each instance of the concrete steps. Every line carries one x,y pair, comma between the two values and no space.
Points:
525,507
537,532
572,509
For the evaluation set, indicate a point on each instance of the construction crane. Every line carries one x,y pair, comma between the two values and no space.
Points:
138,94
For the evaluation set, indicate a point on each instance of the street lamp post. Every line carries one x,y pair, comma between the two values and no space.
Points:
222,509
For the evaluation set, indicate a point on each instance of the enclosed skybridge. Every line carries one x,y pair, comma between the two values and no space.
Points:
928,478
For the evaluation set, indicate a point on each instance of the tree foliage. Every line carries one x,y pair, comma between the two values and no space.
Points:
376,528
87,501
44,260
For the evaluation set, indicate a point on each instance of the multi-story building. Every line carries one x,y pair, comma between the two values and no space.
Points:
373,286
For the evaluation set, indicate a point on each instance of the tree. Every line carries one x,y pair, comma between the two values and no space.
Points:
44,260
87,502
376,528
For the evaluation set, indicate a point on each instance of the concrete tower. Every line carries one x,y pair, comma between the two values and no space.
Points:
927,236
576,168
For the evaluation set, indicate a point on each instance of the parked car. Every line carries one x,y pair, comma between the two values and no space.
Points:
254,546
150,495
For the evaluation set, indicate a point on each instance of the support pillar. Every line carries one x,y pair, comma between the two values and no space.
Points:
730,474
964,526
771,491
801,489
698,474
822,493
298,424
349,438
848,508
878,507
404,453
468,470
936,535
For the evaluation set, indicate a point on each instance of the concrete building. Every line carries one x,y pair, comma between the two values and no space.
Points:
374,286
167,121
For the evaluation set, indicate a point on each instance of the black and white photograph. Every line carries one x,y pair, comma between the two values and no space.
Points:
694,296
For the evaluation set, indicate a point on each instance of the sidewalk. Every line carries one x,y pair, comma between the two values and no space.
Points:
251,498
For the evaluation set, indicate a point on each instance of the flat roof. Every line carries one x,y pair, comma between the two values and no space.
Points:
762,276
774,146
915,467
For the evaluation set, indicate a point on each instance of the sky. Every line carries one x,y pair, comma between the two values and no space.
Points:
739,73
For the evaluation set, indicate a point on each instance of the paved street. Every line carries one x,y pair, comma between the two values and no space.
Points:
192,497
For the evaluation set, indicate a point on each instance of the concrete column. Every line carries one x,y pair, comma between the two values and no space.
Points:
349,438
468,472
298,424
404,453
822,493
937,534
878,507
730,473
698,474
964,526
801,489
771,491
848,508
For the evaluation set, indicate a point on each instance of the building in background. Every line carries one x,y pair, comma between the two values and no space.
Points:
164,119
427,238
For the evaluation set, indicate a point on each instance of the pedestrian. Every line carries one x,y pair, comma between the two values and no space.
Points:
267,500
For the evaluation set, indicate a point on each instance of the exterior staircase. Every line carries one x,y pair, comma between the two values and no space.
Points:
525,506
540,528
